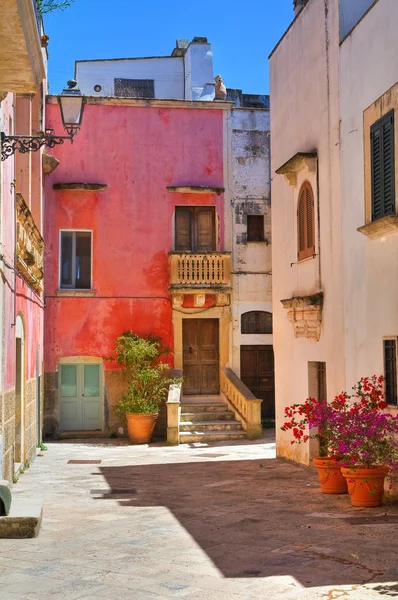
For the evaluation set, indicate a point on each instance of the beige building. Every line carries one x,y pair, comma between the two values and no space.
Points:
332,251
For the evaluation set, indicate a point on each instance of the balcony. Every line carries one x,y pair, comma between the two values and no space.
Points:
29,246
190,271
21,59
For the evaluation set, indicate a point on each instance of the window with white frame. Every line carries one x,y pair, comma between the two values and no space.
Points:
75,257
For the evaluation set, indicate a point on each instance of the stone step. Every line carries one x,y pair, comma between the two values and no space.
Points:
190,408
23,520
207,437
207,416
210,426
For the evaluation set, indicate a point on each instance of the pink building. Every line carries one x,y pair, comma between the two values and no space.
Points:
23,79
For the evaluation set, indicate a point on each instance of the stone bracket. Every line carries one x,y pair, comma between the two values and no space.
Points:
302,161
305,313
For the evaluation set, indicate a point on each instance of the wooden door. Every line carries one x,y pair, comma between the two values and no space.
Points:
81,399
201,356
257,373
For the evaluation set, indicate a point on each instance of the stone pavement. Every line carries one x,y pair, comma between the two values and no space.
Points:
197,522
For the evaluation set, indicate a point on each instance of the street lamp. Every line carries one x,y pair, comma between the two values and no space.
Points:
71,104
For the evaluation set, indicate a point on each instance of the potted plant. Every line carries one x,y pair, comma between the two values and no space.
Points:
313,419
367,440
147,384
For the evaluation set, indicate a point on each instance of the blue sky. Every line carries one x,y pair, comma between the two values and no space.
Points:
242,35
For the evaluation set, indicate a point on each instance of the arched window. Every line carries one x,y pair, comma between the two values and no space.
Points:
256,321
305,222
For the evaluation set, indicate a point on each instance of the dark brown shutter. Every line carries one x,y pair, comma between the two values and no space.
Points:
183,229
255,228
305,222
390,370
205,229
135,88
383,166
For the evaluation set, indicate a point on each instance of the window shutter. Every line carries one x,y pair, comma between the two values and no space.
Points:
383,166
305,222
301,222
205,230
183,229
310,219
388,164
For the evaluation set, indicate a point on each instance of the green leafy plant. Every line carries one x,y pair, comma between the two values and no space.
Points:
47,6
42,446
15,478
147,381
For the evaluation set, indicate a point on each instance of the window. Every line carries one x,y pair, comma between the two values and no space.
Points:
390,370
317,381
256,321
135,88
75,260
255,228
305,222
195,228
383,166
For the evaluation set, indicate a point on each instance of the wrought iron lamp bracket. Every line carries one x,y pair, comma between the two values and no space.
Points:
31,143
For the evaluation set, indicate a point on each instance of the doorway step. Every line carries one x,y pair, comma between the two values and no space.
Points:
208,419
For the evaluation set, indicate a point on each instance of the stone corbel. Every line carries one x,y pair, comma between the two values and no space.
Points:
199,300
302,161
221,299
178,300
305,314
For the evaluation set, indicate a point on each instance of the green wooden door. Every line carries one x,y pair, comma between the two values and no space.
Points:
81,399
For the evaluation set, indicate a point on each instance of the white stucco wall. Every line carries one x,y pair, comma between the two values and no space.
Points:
305,117
249,189
367,71
351,12
167,72
198,71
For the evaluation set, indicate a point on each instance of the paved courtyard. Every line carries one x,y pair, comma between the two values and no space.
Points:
221,522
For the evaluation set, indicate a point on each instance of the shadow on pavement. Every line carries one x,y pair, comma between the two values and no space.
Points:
262,518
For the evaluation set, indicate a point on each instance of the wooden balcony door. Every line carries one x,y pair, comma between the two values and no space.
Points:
257,373
201,356
195,228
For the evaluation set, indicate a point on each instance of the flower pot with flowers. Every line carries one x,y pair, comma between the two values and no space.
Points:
367,441
146,384
313,419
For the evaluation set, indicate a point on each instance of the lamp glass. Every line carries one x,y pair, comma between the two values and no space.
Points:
71,109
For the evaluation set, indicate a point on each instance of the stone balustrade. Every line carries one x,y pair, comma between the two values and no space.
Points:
206,270
246,406
29,246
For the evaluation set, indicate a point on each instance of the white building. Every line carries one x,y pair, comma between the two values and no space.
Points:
334,231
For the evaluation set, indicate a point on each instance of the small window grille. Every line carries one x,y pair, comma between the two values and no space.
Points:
390,370
135,88
256,322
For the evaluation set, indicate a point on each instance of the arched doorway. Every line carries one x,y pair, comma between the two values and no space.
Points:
19,447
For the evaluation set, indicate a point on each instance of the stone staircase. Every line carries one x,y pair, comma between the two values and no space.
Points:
208,419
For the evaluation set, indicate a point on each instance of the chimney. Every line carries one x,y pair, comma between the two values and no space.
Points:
298,6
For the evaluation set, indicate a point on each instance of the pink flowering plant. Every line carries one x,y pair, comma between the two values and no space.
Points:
352,429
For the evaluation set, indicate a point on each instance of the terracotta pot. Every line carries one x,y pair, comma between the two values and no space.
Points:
365,486
330,477
141,426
